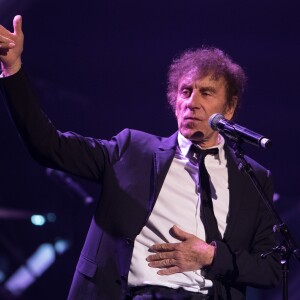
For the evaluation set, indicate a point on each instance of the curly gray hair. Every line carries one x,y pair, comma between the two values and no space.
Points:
202,62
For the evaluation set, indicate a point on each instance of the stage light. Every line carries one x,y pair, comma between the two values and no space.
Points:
61,246
51,217
38,220
35,266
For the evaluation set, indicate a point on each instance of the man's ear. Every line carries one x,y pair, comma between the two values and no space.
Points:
230,108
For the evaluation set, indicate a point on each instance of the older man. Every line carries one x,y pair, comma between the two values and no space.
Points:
167,225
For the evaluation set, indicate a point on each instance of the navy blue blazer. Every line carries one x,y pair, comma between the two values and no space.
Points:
131,168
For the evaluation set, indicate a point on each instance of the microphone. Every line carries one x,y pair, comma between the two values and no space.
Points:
70,184
236,132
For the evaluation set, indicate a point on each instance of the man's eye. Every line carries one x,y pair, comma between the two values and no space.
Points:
206,93
185,93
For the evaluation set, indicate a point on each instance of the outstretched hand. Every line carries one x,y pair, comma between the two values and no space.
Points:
11,47
190,254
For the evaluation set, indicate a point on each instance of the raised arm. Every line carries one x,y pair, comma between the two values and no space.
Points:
50,147
11,47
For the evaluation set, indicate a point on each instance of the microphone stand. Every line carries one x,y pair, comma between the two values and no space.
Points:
288,246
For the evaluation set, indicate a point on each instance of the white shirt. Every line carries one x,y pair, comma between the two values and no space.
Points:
178,203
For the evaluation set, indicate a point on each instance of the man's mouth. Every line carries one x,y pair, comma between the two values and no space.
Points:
191,118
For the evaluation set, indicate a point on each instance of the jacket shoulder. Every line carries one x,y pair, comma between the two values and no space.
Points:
135,141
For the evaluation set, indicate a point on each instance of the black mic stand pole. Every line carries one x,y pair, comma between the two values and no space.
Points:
288,246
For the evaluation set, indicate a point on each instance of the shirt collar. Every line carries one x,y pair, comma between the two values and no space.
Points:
184,146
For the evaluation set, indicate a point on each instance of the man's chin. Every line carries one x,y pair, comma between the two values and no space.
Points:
198,137
192,135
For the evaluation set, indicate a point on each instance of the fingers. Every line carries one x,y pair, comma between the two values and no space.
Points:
187,255
7,38
180,234
164,261
164,247
160,256
6,43
11,47
165,256
17,22
168,262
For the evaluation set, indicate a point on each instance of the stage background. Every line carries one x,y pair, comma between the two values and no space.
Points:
100,66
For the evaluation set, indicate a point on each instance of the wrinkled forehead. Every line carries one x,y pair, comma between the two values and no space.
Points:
198,74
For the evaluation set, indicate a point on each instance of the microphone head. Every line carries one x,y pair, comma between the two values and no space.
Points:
214,120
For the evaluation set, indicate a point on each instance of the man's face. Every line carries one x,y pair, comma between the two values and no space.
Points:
196,101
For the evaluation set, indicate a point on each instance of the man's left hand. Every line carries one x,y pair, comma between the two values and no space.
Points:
190,254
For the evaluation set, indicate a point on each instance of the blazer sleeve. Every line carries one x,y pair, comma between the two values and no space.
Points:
66,151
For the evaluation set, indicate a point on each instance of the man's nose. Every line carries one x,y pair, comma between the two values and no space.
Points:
193,102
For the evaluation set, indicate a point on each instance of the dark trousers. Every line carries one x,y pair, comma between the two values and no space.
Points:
164,293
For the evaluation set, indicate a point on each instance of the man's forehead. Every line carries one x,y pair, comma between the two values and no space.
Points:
192,78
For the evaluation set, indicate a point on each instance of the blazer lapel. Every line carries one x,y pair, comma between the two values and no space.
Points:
162,159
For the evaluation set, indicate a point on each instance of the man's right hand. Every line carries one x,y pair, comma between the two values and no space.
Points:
11,47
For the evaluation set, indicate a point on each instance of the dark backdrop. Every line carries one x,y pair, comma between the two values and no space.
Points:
100,66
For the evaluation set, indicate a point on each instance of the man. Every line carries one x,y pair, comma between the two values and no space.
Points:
147,238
